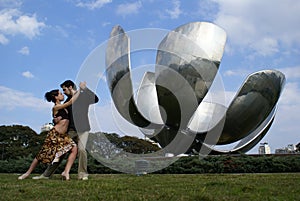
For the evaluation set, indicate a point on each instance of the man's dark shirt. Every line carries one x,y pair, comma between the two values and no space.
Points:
78,111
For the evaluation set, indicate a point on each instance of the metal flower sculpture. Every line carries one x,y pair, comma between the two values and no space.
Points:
170,105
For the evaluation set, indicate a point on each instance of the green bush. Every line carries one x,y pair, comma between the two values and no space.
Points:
185,165
235,164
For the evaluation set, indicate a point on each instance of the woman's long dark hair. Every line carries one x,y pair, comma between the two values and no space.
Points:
50,95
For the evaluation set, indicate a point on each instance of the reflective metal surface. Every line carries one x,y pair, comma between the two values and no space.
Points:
119,78
187,61
207,116
252,104
250,114
170,107
146,93
243,145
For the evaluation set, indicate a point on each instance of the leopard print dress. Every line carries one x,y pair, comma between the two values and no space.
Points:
55,145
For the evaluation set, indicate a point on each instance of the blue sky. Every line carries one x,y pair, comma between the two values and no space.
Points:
43,43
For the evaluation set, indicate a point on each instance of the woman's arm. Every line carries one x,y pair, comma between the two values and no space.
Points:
66,104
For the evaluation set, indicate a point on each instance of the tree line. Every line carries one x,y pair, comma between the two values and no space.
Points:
19,144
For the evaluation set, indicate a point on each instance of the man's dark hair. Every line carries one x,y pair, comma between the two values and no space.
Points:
68,83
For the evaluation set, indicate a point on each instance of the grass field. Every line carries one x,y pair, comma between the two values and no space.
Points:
283,186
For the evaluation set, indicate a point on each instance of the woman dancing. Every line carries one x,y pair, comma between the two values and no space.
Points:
57,141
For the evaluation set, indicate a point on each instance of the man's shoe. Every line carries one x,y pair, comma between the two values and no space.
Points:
40,177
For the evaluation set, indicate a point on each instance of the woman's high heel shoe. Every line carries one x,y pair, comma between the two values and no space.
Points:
65,176
23,176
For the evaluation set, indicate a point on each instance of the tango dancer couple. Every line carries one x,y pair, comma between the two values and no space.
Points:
70,131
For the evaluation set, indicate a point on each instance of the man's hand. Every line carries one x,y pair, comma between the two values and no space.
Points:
82,85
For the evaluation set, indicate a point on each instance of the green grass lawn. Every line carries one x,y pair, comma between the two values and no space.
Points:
229,187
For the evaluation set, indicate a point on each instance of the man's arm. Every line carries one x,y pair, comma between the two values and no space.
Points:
89,96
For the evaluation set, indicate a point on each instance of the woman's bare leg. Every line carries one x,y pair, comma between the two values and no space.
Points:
70,162
34,163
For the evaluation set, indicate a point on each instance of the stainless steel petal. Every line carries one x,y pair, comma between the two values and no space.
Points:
246,143
119,78
169,102
194,50
252,105
206,117
147,99
253,138
187,61
148,104
249,116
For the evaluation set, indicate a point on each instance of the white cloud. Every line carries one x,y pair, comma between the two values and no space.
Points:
291,72
266,46
290,95
237,72
28,74
12,22
287,116
24,50
11,99
261,26
104,24
10,3
93,4
61,31
175,12
206,9
3,39
129,8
